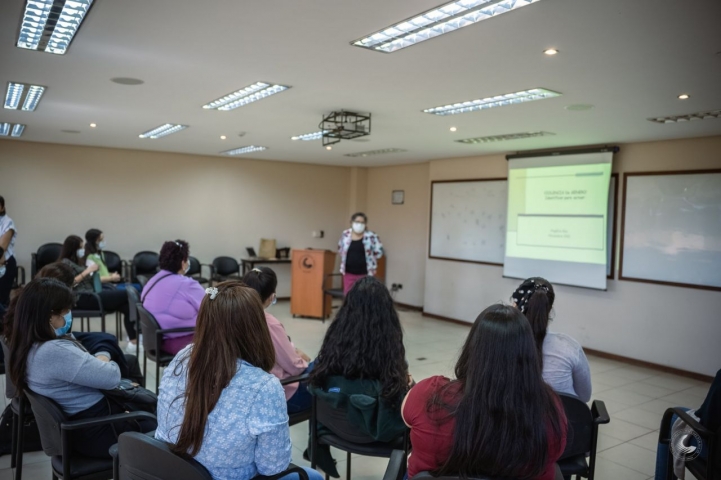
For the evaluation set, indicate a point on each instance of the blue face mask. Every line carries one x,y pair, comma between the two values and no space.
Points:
275,300
68,317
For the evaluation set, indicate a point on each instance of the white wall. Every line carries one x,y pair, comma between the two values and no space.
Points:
140,199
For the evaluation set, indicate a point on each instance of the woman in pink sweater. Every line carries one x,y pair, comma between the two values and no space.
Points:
173,298
289,361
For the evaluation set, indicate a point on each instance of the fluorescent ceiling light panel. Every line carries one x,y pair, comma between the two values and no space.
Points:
4,129
306,137
688,117
50,25
244,96
492,102
163,130
375,152
17,130
438,21
244,150
504,137
18,94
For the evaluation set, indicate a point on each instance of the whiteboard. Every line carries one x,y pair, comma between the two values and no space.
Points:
672,228
468,220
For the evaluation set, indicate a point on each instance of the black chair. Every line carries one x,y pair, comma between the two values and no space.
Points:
224,268
114,262
391,470
21,411
153,342
55,437
295,418
133,301
46,254
145,264
141,457
196,270
708,468
582,436
96,311
345,436
19,278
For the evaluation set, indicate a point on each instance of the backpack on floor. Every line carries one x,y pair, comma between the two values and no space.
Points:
31,439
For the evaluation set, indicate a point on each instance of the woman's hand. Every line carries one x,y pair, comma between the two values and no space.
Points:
115,277
103,358
302,355
93,267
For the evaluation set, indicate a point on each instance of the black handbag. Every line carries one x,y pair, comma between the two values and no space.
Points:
131,397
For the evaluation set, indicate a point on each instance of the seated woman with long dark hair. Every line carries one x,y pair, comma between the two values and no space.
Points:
73,255
218,402
565,366
61,369
363,354
498,417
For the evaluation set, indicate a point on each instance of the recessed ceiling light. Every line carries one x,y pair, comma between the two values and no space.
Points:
244,96
244,150
684,96
550,51
329,147
23,94
306,137
438,21
50,25
709,115
70,131
223,137
163,130
491,102
15,130
579,107
382,151
93,125
127,81
506,136
453,129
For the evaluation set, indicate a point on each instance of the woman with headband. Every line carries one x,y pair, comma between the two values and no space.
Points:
289,361
173,298
565,366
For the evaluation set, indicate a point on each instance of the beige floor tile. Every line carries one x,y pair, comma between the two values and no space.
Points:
623,430
632,456
605,442
672,382
622,395
640,417
608,470
648,441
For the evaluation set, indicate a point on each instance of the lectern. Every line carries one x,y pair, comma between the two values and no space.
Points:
310,275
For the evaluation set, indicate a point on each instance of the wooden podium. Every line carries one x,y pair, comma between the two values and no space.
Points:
310,275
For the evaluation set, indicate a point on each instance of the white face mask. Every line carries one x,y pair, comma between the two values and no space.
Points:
359,227
187,268
80,252
3,269
101,245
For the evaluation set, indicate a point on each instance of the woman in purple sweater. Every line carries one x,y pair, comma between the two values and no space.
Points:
173,298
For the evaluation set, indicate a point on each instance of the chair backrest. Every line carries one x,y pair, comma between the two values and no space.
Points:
336,420
47,254
148,326
194,266
146,263
428,476
225,266
113,261
10,390
133,301
580,426
144,458
48,416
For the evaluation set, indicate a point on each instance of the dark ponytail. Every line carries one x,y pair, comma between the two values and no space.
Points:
534,297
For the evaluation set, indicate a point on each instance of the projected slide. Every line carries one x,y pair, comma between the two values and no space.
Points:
557,218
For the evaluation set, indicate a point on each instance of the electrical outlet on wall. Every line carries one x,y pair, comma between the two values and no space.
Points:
318,234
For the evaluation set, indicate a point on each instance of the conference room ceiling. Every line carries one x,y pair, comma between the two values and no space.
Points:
629,59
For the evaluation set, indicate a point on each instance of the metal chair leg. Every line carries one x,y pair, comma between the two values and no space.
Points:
21,440
14,441
157,376
347,466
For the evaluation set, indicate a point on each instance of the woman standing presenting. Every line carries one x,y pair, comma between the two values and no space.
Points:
359,250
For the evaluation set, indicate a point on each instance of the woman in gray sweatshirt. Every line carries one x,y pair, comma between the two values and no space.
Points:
565,366
61,369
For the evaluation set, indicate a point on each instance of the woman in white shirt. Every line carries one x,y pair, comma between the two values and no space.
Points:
8,266
565,366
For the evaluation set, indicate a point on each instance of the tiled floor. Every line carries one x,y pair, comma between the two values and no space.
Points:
635,397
